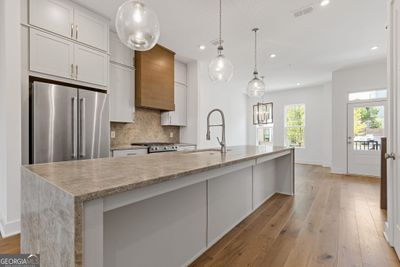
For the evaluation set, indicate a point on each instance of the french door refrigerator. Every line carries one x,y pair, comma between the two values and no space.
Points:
67,124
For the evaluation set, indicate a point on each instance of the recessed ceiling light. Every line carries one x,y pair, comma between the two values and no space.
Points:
202,47
298,84
325,2
374,48
272,56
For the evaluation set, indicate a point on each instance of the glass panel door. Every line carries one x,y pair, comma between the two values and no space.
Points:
366,127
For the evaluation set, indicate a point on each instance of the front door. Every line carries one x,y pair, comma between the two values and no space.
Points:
366,126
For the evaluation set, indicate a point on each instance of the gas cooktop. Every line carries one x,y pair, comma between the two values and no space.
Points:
158,147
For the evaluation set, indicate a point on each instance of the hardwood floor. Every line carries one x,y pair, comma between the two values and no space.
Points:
9,245
334,220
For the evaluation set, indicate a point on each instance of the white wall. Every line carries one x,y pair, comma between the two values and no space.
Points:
317,102
10,118
368,76
228,97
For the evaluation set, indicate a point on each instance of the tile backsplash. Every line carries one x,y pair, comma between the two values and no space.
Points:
147,128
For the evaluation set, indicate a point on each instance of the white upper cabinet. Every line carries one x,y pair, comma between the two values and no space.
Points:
91,29
119,53
51,55
52,15
122,93
57,56
179,116
91,66
70,20
180,72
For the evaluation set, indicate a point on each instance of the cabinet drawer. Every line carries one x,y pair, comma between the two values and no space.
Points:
50,54
126,153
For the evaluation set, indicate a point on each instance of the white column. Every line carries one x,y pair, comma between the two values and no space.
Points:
10,116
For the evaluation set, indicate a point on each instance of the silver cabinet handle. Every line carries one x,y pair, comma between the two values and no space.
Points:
74,117
131,154
76,32
390,156
72,71
76,71
83,126
72,30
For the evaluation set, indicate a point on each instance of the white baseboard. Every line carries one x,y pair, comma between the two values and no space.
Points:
313,162
10,228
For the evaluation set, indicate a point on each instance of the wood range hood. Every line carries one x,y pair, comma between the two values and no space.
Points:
154,79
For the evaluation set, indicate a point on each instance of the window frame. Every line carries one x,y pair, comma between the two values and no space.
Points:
286,142
367,91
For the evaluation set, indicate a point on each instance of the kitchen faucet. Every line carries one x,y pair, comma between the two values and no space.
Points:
208,136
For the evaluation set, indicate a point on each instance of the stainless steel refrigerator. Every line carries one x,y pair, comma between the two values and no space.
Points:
67,123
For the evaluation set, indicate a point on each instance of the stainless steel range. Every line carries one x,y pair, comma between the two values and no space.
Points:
158,147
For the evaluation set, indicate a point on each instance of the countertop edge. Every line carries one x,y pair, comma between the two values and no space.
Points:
125,188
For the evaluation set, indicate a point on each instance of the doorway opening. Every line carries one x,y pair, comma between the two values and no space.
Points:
367,125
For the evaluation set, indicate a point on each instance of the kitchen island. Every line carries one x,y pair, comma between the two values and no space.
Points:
153,210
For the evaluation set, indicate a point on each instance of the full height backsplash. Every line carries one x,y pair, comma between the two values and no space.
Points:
147,128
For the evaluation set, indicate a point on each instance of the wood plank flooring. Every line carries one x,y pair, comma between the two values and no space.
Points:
9,245
334,220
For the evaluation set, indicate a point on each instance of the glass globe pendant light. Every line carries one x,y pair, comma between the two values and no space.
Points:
256,87
137,25
220,68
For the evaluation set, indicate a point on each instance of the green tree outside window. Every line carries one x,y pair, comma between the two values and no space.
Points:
295,123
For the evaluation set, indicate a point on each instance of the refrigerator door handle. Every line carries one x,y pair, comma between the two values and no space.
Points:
74,130
83,127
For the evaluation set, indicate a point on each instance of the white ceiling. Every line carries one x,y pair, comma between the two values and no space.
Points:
308,48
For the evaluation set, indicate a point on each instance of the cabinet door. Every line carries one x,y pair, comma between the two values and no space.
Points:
119,53
91,29
122,88
91,66
180,72
52,15
50,54
179,116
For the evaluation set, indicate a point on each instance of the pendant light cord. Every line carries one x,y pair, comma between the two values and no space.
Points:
220,27
255,51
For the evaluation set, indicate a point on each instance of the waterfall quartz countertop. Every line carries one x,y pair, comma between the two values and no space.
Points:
92,179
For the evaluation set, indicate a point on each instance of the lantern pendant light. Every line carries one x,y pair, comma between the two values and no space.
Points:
220,68
256,87
137,25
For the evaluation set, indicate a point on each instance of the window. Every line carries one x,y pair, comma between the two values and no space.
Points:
368,95
295,122
264,135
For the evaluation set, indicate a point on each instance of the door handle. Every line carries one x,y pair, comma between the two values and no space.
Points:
73,102
72,30
83,127
72,71
76,71
76,32
390,156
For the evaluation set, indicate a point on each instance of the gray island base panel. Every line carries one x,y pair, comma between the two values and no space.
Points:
153,210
